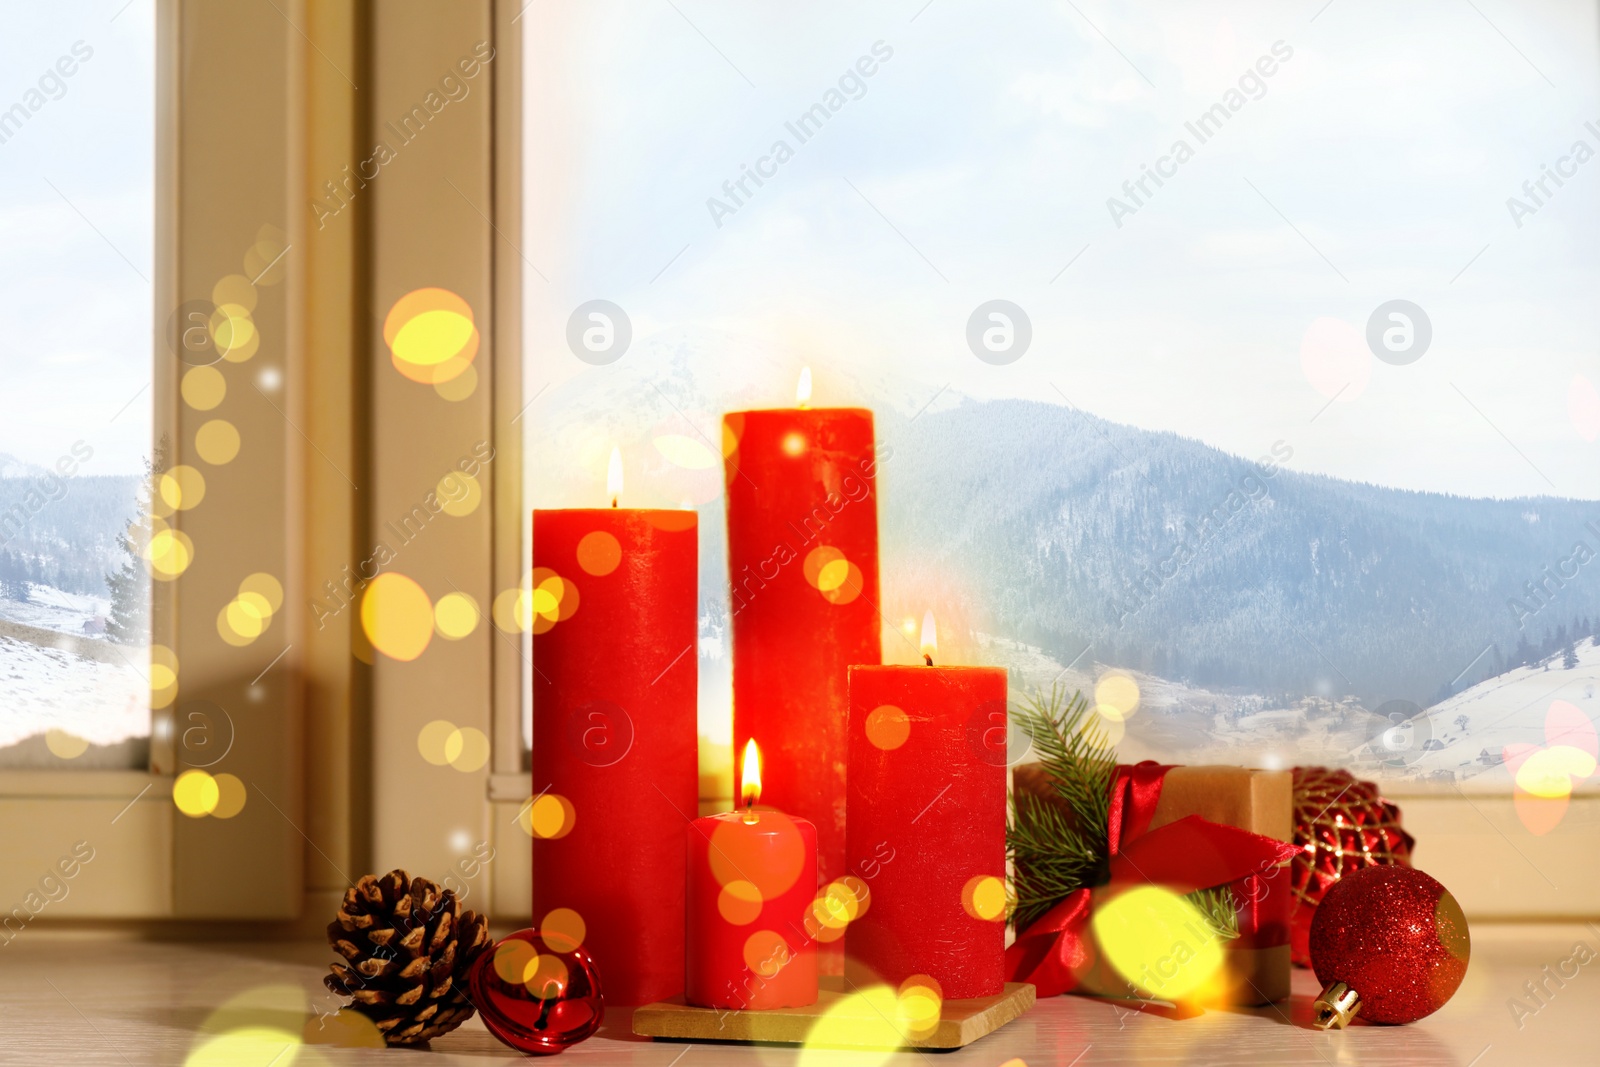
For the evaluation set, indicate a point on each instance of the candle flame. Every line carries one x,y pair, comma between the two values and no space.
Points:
930,638
750,779
614,476
802,392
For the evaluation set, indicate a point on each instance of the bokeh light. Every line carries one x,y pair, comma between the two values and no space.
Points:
921,1003
182,487
431,741
1116,695
563,929
163,676
64,745
217,442
467,749
771,859
397,616
234,289
455,616
599,553
456,385
548,816
203,388
169,553
266,586
984,897
1545,776
230,796
195,793
459,494
872,1017
888,727
431,335
766,953
739,902
1158,941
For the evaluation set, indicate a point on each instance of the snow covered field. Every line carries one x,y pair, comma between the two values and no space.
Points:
55,610
1176,723
43,688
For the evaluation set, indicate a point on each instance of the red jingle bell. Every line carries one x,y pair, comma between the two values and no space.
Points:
537,992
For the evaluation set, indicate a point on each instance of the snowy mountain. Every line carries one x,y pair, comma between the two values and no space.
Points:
1153,552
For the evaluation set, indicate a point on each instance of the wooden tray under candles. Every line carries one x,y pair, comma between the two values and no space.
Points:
861,1025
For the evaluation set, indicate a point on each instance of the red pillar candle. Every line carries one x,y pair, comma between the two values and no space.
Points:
927,824
615,775
803,565
752,881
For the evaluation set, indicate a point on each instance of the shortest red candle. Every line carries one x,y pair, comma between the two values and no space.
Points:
752,881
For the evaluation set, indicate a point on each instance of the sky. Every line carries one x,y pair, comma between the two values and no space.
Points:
76,233
1231,304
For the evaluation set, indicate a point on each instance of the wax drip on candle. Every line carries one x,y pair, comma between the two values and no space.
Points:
750,781
614,476
930,638
802,392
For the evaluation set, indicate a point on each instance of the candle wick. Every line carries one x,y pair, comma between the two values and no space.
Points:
750,810
927,658
613,501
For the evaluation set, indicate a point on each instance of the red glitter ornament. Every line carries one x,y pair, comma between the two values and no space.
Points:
1389,944
1341,824
538,993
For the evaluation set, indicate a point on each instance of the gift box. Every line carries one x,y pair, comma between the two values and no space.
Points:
1255,968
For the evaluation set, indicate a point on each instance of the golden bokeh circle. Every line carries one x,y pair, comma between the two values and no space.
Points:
772,860
230,796
455,616
546,976
888,727
513,959
265,586
984,897
169,554
456,386
234,289
1116,695
195,793
217,442
182,487
550,816
431,741
563,929
64,745
739,902
203,388
1156,940
467,749
459,494
397,616
766,953
599,553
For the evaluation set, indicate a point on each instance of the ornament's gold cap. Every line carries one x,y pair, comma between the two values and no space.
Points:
1335,1007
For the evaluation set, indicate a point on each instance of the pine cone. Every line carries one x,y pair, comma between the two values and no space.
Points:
408,945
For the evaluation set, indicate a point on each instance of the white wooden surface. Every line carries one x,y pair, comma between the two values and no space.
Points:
82,999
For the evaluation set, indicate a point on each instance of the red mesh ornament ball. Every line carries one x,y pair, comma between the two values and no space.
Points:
538,993
1341,824
1389,945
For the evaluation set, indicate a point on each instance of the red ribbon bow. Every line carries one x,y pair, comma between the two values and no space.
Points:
1189,854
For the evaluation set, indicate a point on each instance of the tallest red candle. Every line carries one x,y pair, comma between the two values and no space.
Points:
615,777
803,567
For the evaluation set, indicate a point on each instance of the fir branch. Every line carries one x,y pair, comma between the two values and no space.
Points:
1216,906
1055,852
